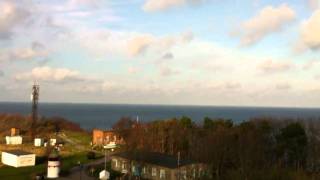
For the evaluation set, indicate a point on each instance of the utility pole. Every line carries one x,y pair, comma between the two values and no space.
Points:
179,165
35,100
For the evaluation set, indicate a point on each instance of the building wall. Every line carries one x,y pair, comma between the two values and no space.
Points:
154,172
18,161
100,137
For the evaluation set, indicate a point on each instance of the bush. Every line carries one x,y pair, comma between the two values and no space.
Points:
91,155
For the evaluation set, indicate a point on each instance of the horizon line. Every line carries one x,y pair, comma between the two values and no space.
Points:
160,104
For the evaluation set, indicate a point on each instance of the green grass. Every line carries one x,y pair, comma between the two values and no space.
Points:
25,173
80,138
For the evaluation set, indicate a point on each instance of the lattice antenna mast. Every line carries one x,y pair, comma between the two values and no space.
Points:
35,100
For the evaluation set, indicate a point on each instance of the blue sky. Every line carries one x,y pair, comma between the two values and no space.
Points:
198,52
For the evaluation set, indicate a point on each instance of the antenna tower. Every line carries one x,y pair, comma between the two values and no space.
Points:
35,100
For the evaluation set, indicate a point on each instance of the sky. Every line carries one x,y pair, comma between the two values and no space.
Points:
189,52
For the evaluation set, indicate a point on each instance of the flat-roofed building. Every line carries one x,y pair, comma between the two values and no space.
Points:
18,158
13,140
151,165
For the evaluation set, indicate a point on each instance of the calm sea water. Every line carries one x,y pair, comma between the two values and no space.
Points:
105,115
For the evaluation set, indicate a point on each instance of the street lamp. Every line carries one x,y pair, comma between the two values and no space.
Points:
80,166
105,174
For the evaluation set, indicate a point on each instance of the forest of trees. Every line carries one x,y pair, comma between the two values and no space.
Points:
258,149
43,126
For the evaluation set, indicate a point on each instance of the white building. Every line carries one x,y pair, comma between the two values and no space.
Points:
18,158
104,175
14,140
53,142
53,165
38,142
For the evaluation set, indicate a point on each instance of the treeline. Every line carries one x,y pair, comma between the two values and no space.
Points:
261,148
43,126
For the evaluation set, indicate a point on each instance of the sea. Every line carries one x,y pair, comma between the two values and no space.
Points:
103,116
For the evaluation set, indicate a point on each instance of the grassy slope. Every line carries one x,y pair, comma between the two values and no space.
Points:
70,156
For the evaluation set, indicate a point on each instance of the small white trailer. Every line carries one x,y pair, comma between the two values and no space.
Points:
18,158
13,140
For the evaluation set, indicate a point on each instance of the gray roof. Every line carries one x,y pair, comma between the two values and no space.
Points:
154,158
18,152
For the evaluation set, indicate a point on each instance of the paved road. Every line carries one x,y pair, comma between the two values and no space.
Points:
76,173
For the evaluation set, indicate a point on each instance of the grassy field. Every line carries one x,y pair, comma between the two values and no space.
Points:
75,149
26,173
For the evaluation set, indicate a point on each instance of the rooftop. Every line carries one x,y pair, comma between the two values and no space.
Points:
158,159
18,152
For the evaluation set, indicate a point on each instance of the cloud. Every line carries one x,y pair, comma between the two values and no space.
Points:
187,36
313,4
309,34
11,15
1,73
283,86
161,5
167,71
35,51
133,70
48,74
270,66
310,64
168,55
139,44
269,20
232,85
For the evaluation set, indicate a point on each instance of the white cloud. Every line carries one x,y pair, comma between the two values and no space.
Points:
11,15
309,34
269,20
141,43
48,74
313,4
35,52
165,70
161,5
283,86
310,64
271,66
133,70
187,36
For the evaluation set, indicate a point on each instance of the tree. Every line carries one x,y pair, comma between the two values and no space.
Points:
291,143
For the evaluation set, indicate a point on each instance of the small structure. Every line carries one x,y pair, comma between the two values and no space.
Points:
151,165
13,140
53,142
38,142
53,165
100,137
104,175
18,158
14,132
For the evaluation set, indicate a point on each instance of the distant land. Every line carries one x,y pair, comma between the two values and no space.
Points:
105,115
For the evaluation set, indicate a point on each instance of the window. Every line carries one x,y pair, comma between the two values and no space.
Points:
123,165
184,174
162,174
154,172
133,168
144,170
115,163
194,172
